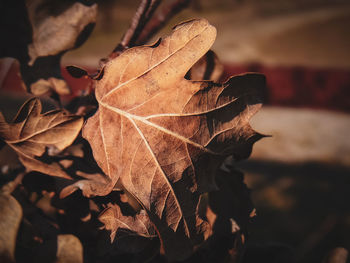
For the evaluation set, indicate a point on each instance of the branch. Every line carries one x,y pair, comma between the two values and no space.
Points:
143,14
161,19
142,28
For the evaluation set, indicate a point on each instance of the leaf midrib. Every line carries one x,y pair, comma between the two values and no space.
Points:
164,175
42,131
145,121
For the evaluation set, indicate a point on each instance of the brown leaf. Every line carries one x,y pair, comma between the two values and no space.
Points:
78,162
46,86
31,133
76,72
164,136
38,33
10,218
207,67
133,236
69,249
57,26
138,225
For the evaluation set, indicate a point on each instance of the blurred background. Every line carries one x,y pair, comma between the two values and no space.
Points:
300,177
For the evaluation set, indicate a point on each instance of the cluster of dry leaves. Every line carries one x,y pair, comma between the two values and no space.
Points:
140,155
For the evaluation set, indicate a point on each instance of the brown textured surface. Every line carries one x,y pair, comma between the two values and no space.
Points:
31,132
166,128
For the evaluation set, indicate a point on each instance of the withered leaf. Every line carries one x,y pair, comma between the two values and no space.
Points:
69,249
58,25
76,72
164,136
207,67
31,133
114,221
38,33
10,218
134,236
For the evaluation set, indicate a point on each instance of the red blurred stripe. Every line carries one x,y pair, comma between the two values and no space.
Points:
286,86
302,87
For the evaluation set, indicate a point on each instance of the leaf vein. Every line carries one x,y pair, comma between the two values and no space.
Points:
164,175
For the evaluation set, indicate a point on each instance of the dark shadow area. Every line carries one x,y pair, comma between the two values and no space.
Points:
304,206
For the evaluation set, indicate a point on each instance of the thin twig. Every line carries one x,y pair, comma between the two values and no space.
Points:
136,23
143,14
160,20
153,6
142,27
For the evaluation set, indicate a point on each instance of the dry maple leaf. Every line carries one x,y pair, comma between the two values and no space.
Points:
164,136
134,235
114,220
31,132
